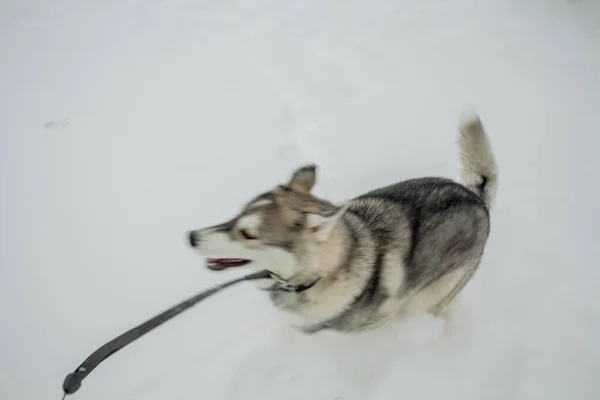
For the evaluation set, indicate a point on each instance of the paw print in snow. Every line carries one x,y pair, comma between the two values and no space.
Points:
65,123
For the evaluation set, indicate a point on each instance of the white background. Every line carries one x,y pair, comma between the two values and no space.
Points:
126,123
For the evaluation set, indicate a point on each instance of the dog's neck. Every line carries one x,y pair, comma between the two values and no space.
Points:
330,255
332,252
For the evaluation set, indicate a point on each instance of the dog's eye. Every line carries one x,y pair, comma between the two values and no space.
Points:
247,235
298,225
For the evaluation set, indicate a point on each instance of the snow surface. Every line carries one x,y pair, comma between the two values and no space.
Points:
126,123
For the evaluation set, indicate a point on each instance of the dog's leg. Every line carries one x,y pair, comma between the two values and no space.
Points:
443,304
435,297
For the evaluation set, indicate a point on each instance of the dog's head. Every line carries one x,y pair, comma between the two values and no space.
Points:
280,231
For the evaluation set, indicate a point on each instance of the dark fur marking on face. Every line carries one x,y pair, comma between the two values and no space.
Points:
267,196
299,223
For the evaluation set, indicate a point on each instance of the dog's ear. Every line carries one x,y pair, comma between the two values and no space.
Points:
322,225
304,179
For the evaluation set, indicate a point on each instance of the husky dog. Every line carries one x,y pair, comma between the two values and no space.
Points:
411,246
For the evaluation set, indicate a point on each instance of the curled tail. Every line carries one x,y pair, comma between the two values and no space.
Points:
479,173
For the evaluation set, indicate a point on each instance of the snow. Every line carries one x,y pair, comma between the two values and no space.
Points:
125,124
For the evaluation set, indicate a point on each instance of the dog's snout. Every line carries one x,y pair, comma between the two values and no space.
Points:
192,239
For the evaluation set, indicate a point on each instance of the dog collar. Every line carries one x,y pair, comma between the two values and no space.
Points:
286,287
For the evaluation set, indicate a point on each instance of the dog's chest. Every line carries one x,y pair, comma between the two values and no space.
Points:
306,312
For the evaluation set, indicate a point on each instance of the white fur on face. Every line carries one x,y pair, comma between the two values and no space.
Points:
219,245
213,244
250,222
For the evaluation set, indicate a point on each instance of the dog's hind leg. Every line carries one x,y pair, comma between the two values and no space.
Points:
443,304
437,296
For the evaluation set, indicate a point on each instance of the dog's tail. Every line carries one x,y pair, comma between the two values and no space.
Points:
479,173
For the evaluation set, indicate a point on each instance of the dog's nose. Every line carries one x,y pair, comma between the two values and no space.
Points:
192,240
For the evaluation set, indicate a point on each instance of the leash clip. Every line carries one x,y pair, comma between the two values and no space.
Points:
283,284
287,287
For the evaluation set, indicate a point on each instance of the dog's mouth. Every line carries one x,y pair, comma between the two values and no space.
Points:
219,264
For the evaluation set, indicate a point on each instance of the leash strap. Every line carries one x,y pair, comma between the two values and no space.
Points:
72,382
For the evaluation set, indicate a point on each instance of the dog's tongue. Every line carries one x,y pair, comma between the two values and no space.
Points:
214,264
219,264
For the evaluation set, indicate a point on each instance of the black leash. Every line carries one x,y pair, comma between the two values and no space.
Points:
72,382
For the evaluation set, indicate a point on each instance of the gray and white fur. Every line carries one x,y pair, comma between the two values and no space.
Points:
411,246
